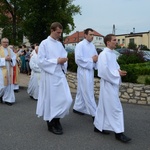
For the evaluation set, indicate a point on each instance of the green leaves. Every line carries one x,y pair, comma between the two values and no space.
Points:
33,17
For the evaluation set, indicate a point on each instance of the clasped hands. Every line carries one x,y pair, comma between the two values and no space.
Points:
95,58
8,58
62,60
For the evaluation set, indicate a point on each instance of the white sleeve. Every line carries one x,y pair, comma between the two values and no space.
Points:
80,60
2,62
48,65
104,71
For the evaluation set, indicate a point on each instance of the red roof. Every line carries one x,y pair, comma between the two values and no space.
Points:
78,36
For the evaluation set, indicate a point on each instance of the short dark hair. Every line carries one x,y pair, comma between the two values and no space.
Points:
24,45
107,38
54,26
32,46
36,44
86,31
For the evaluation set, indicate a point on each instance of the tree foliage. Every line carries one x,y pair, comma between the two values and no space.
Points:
33,17
10,20
132,45
143,47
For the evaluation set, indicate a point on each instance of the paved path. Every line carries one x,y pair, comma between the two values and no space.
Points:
21,129
23,80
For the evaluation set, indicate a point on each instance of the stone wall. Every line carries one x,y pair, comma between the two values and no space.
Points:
129,92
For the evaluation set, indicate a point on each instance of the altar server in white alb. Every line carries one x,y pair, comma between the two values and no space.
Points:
54,98
33,87
86,58
109,113
7,62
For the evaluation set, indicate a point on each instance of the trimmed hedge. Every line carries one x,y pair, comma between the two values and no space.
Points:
132,74
147,81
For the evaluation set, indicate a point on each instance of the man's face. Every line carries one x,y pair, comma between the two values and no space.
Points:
57,33
5,43
89,36
112,44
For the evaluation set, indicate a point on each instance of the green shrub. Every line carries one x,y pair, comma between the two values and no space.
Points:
147,81
131,76
143,47
131,58
96,73
142,68
72,66
132,45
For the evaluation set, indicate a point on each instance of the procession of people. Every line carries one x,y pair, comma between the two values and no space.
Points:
46,65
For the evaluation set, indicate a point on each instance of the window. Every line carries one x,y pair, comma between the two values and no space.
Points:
81,39
131,40
123,41
118,41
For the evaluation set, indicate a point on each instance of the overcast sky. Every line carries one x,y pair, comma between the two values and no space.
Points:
124,14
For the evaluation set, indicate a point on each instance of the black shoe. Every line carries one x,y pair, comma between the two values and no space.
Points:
53,128
1,101
102,132
58,124
55,131
93,118
121,137
16,91
8,103
77,112
31,97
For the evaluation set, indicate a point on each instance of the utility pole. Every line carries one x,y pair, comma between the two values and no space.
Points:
114,29
133,30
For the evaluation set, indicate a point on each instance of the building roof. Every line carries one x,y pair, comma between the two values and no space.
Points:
78,36
133,34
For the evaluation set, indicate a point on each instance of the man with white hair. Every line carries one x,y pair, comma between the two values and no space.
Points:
7,61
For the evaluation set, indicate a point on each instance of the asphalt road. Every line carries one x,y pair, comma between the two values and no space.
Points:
21,129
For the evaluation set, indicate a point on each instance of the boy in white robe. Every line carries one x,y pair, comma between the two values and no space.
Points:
7,62
86,58
109,113
54,98
33,87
